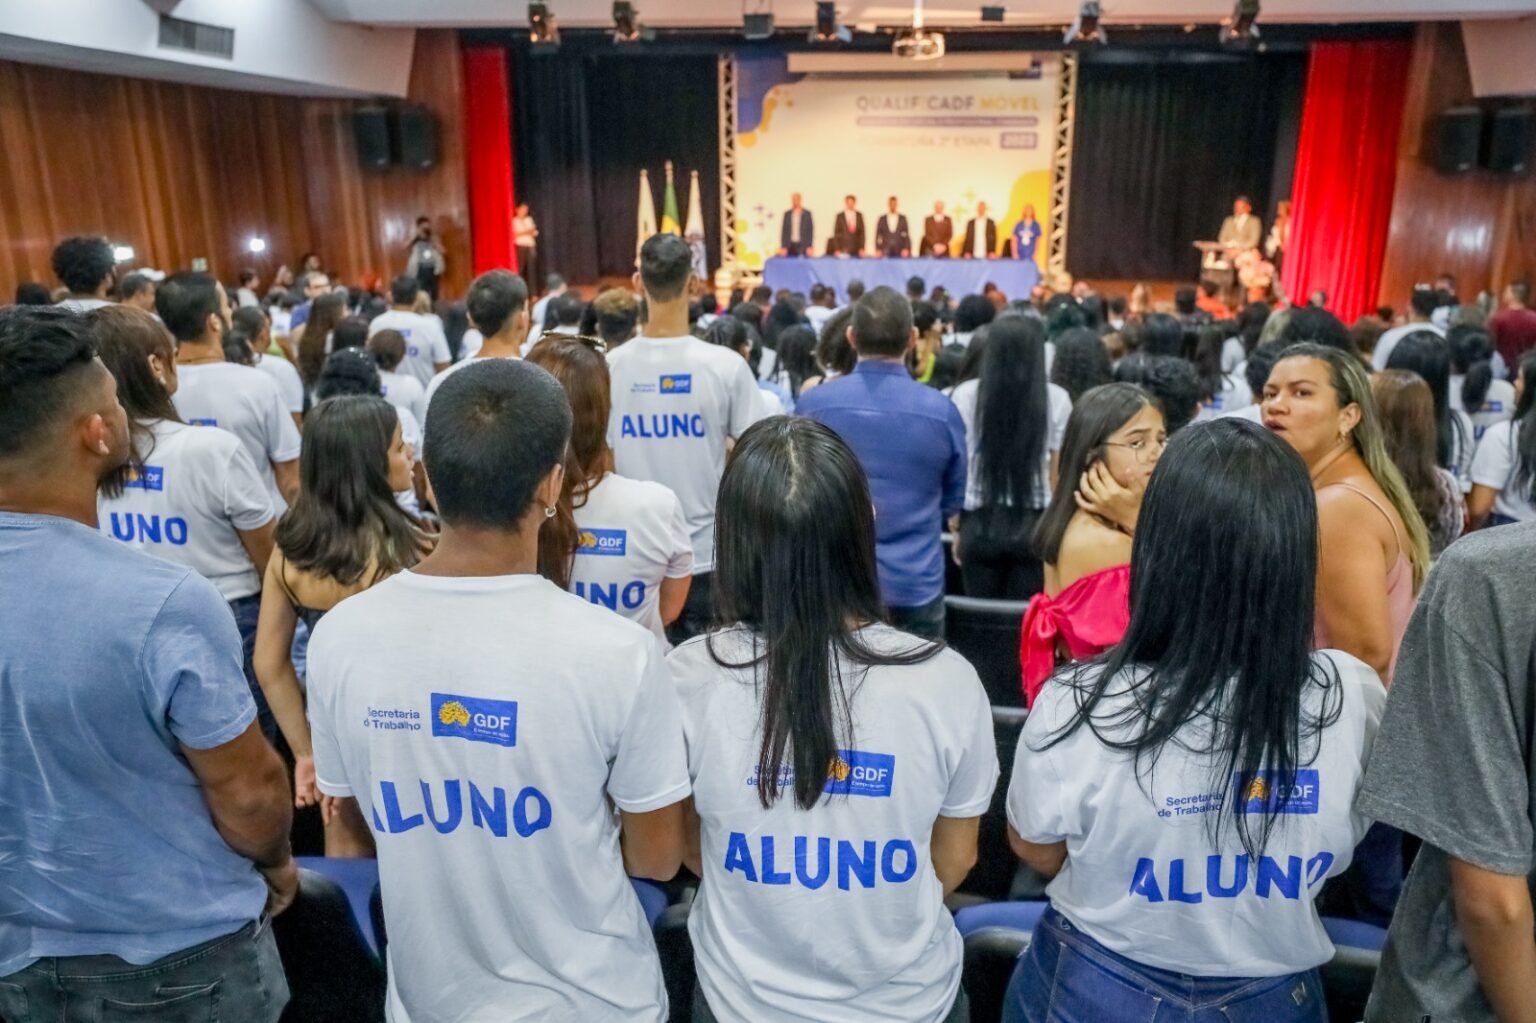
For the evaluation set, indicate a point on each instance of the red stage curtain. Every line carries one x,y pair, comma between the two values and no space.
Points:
1346,168
488,156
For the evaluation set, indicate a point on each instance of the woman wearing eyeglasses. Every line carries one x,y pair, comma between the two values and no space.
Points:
1113,441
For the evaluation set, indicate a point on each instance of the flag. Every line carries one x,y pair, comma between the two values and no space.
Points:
646,225
695,220
671,223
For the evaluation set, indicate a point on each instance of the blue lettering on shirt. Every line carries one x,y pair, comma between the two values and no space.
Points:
133,528
149,477
475,719
531,810
677,383
856,773
657,427
610,543
866,862
202,422
1265,878
1269,792
412,351
609,595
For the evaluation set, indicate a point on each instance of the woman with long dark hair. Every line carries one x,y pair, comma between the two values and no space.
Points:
834,353
312,338
1222,391
839,766
344,534
1504,472
1375,547
1014,422
1475,389
1190,791
1429,355
356,371
628,547
1407,412
797,360
1082,363
1113,441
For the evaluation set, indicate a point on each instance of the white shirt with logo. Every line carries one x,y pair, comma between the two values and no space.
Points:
1498,404
967,397
287,378
404,391
1235,395
488,727
1498,455
632,536
248,404
833,912
425,343
196,491
676,401
1144,875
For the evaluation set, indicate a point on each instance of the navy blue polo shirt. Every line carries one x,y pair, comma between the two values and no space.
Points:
911,441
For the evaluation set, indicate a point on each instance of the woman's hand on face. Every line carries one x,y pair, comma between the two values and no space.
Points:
1099,493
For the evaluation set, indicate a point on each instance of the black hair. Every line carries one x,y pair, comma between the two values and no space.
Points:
975,353
924,316
553,282
345,521
882,323
1210,340
737,335
494,431
916,288
973,313
1210,288
833,352
388,349
854,290
1232,656
795,564
1472,355
666,263
237,348
1161,334
404,289
566,309
1429,355
44,354
1082,363
33,293
1523,481
762,293
1062,313
185,301
349,332
1184,300
1012,417
455,325
126,337
1092,307
373,307
132,284
348,371
83,263
1250,324
1170,380
1424,302
1117,305
248,276
494,298
1260,361
797,357
1095,417
1318,326
250,319
782,316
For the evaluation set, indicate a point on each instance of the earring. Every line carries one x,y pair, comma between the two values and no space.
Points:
161,378
549,513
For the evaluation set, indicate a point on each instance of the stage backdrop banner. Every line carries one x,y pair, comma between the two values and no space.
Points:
921,138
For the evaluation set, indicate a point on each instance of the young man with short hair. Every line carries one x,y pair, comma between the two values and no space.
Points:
1514,327
147,818
426,346
678,405
137,290
1423,305
496,302
86,266
489,725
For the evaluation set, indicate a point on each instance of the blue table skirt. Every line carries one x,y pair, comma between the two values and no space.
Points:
960,277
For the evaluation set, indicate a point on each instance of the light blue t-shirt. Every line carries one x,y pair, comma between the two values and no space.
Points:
108,659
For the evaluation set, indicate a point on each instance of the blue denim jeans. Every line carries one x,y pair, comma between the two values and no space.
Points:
925,620
246,611
1067,977
237,978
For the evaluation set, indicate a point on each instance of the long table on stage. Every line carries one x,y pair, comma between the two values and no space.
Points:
960,277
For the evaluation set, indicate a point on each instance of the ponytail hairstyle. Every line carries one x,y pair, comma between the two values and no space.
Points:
795,564
1211,339
1524,480
1353,387
1407,413
1472,357
1429,355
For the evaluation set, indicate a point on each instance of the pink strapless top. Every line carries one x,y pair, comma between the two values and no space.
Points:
1088,617
1400,595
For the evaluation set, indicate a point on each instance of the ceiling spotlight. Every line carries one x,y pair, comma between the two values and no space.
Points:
1086,28
757,26
992,13
626,22
1243,26
122,253
827,29
542,30
256,244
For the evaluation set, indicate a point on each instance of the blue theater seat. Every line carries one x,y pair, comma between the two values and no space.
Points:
1018,916
333,974
357,878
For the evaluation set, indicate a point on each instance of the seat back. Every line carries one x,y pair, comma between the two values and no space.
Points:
333,975
991,953
1348,976
357,877
987,633
996,865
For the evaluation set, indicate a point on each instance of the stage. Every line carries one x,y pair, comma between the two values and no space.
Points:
960,277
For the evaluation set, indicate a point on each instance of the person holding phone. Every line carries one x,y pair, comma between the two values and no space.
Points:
427,261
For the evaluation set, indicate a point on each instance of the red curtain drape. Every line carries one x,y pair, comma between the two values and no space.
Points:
488,156
1346,168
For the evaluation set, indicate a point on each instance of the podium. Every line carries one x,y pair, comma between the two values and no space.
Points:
1216,264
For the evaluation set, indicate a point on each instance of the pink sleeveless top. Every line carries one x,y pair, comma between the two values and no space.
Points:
1400,595
1087,618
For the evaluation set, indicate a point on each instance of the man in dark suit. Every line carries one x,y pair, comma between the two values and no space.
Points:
892,236
848,233
938,232
980,236
799,233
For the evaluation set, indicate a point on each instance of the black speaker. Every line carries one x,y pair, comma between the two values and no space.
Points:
1508,144
1458,136
418,138
370,128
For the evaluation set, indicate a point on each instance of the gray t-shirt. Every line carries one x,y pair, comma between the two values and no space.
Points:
1454,764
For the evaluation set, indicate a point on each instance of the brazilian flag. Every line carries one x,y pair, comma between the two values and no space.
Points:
671,223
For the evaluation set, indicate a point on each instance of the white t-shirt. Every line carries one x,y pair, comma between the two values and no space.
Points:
1253,413
248,404
1389,340
196,490
817,316
470,344
488,727
1059,408
425,343
833,912
675,402
404,391
410,433
1498,404
1144,876
1233,354
82,305
1235,394
633,535
1463,449
289,383
1497,456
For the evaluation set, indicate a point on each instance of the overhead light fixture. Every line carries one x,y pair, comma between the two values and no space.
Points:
827,29
1086,28
992,13
256,244
542,30
1243,26
122,253
626,22
757,26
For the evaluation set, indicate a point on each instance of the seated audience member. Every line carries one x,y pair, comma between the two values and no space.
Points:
1215,704
146,836
1504,471
1170,380
1475,387
835,357
1113,441
86,266
426,345
213,392
1453,764
548,714
497,302
33,293
137,290
1408,426
1429,356
314,339
1014,423
779,691
1161,334
1209,301
1374,545
665,379
1221,391
617,316
256,325
1082,363
929,361
624,543
1421,316
911,442
1186,306
399,389
344,534
797,361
